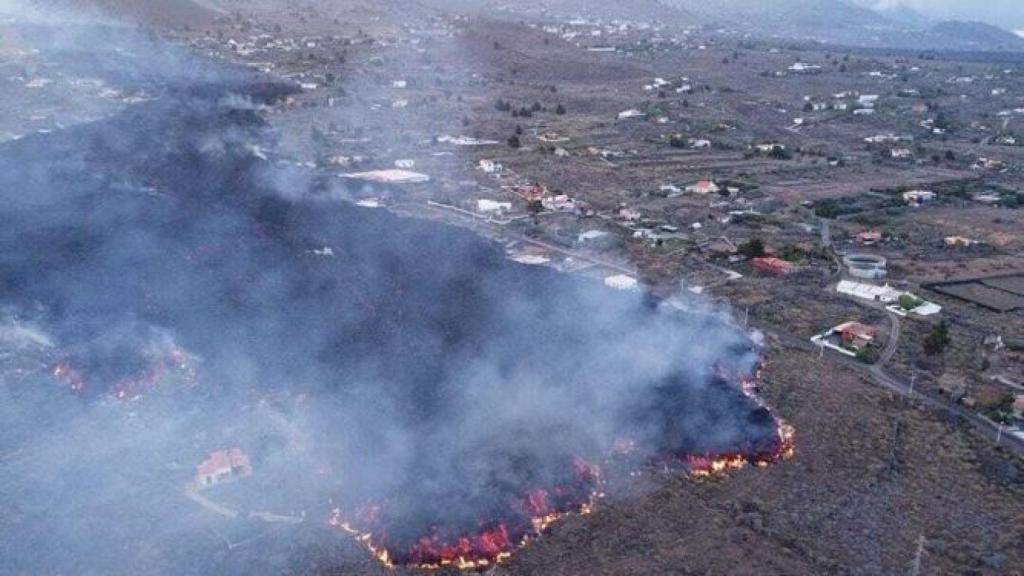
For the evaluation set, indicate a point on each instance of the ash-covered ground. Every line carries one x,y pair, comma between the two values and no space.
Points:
168,291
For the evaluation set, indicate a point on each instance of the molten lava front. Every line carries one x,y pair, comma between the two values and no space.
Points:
491,542
494,539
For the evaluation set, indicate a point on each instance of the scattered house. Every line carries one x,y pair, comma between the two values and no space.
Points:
848,338
883,139
705,186
769,147
552,138
773,266
871,292
405,163
490,166
621,282
371,202
559,203
918,197
671,190
465,141
801,67
900,303
592,235
492,206
958,242
869,237
856,335
699,143
531,259
863,111
629,214
919,108
632,113
223,466
868,100
394,176
988,164
901,153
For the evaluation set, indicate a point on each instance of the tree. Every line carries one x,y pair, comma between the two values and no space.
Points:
937,339
868,355
909,301
753,248
513,141
560,110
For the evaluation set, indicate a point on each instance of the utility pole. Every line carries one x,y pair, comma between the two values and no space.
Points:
915,569
999,434
913,378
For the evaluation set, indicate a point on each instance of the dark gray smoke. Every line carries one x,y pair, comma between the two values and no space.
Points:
163,298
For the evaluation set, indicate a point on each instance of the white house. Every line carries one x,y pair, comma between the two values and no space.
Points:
490,166
621,282
918,197
492,206
632,113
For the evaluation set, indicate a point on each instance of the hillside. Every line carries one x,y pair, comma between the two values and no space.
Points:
978,35
162,14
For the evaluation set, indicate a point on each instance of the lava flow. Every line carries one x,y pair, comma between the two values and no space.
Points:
493,542
138,374
384,529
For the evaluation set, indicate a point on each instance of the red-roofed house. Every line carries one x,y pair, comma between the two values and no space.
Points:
856,334
774,266
869,237
222,466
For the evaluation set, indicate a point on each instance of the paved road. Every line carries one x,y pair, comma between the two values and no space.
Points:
894,339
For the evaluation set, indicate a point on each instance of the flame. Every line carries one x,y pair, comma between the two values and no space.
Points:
175,361
68,375
490,546
494,545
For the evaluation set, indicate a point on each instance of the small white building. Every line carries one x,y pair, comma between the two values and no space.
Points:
918,197
621,282
632,113
490,166
485,206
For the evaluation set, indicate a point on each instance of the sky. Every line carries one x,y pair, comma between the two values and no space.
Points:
1004,13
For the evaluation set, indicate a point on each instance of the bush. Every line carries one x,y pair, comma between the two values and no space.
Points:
937,339
753,248
868,355
909,301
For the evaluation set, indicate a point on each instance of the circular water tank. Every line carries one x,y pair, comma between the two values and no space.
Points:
868,266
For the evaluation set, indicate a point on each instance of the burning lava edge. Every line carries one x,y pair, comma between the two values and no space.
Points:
492,547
